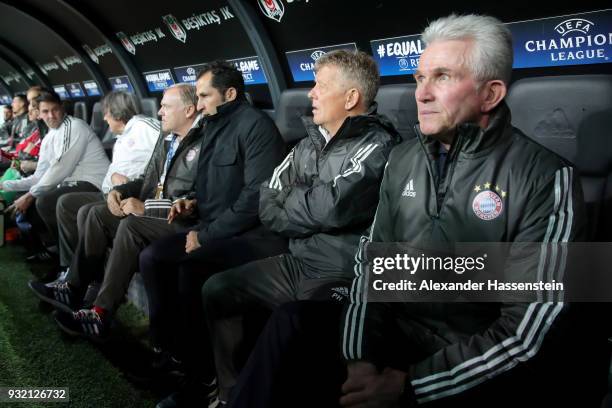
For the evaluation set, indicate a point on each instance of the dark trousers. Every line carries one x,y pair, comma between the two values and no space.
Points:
127,237
71,212
46,205
173,280
297,360
96,236
233,297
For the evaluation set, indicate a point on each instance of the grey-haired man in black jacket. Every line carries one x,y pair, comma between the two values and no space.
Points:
469,176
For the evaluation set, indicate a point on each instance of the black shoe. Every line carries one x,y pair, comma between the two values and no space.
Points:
84,323
171,401
165,363
60,295
39,257
192,394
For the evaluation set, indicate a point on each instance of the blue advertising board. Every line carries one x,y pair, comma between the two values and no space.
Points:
61,91
575,39
75,90
188,73
91,87
251,69
301,62
157,81
397,55
121,83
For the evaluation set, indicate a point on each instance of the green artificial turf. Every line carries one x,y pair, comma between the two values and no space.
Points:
34,353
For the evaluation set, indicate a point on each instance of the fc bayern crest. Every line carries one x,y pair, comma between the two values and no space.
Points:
273,9
127,43
191,154
487,205
176,29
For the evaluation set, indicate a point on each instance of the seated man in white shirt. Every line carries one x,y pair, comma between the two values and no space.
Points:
71,159
136,138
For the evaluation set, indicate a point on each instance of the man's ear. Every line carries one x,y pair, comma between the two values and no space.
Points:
191,111
493,93
353,99
230,94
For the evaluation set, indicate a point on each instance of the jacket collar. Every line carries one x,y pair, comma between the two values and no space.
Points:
471,138
226,109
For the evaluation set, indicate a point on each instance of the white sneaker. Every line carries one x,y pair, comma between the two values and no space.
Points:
216,403
60,278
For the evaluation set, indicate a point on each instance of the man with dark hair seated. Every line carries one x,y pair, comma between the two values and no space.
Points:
71,159
15,131
241,146
322,197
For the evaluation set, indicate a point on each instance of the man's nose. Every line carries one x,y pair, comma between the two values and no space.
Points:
423,92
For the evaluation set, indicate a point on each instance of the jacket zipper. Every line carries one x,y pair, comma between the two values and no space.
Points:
449,175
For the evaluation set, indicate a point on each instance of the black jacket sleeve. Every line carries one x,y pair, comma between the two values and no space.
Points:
131,188
263,149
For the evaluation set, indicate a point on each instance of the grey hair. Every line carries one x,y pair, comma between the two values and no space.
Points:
187,93
356,67
492,54
122,106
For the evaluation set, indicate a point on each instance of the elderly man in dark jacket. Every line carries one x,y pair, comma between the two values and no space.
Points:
322,196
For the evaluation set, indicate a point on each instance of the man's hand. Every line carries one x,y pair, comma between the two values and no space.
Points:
28,166
192,243
181,207
113,201
365,387
23,203
132,206
117,179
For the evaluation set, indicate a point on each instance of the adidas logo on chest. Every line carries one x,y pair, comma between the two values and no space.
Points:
409,189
